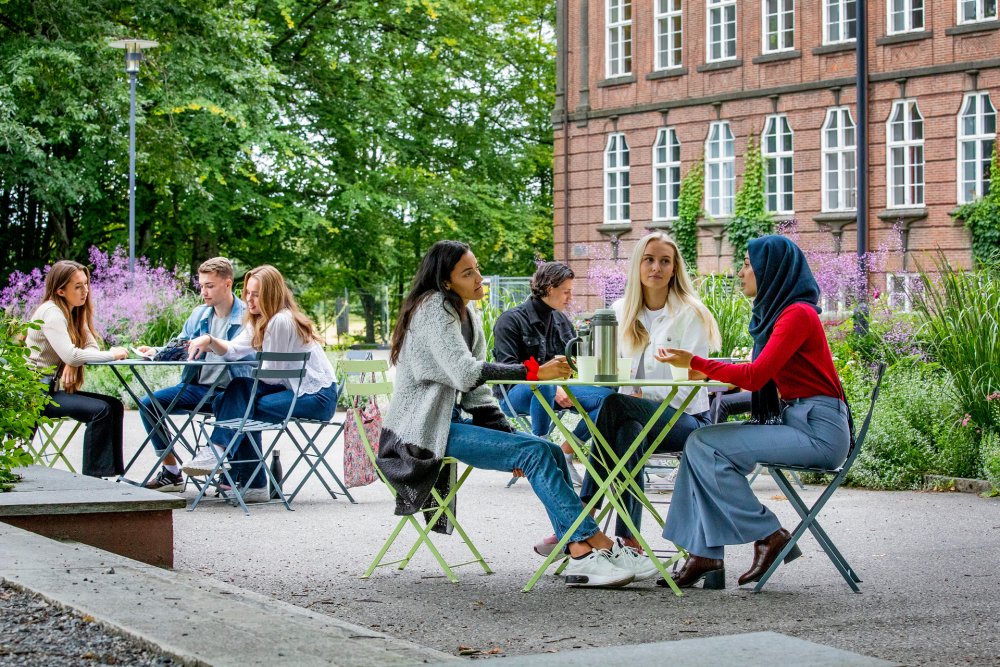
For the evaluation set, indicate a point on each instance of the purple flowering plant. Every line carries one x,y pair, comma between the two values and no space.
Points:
149,308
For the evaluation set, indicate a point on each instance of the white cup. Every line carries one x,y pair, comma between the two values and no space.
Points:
586,368
624,369
678,373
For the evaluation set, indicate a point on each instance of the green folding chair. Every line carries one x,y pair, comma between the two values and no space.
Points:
809,515
50,447
439,507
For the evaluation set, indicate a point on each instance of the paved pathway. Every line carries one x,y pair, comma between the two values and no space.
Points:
928,561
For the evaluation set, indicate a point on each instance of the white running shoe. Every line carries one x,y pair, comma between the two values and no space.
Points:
630,560
596,569
204,462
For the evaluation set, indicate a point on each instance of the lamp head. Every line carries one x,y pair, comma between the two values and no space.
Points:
133,51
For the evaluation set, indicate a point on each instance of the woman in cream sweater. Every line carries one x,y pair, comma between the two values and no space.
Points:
62,345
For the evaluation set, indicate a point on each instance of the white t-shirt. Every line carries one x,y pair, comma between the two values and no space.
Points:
281,336
676,325
217,328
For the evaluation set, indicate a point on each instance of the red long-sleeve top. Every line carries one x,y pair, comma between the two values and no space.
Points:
797,357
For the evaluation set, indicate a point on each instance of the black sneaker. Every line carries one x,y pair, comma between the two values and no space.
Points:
166,481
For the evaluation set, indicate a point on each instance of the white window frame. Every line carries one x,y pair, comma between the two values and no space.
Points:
980,7
617,204
911,161
720,165
618,38
784,23
666,174
778,164
720,8
834,303
909,9
668,24
842,23
983,143
900,300
842,151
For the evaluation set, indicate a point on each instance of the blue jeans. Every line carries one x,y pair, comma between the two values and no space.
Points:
189,397
524,401
542,462
271,404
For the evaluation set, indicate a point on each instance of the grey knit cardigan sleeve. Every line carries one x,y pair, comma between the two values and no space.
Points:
436,370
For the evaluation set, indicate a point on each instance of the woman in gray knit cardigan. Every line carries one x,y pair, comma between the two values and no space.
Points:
439,351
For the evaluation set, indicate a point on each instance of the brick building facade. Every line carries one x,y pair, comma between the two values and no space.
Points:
642,83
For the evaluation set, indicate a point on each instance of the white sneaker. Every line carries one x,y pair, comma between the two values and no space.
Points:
261,495
630,560
204,462
596,569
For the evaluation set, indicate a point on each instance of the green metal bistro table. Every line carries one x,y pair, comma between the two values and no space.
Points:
619,479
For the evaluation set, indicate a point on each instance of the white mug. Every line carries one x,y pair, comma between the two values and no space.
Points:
586,368
624,369
678,373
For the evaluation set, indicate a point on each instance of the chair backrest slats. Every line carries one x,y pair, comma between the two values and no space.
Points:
363,365
860,439
366,389
283,356
280,373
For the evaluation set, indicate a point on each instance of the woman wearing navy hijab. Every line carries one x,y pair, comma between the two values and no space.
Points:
713,504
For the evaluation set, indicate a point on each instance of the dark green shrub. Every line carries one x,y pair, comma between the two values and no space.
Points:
22,398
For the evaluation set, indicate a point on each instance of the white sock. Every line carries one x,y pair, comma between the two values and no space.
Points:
173,470
569,458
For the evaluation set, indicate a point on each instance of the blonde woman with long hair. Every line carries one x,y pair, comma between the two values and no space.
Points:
660,309
65,342
273,323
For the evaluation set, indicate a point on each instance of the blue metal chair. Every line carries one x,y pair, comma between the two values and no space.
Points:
809,514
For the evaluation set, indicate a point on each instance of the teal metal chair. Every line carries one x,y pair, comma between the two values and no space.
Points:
440,506
51,447
809,515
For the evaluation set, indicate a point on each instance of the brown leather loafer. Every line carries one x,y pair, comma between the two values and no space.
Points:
765,552
696,568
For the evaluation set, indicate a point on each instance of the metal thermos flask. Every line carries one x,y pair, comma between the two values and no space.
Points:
604,332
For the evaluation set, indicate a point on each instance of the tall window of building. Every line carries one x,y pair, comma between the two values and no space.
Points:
905,148
977,134
616,180
721,30
839,161
779,25
720,170
905,16
776,148
668,33
666,174
619,40
840,21
971,11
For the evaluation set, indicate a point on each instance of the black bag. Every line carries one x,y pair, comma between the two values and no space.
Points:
175,350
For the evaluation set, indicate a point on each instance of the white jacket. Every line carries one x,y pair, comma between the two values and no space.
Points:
678,326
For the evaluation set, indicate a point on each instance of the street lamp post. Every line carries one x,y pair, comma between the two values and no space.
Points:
133,56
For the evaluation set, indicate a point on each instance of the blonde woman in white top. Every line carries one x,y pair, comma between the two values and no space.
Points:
273,323
660,309
64,343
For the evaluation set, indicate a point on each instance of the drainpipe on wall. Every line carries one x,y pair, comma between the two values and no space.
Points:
861,50
561,115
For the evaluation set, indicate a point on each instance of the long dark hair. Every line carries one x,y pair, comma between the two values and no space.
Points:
435,270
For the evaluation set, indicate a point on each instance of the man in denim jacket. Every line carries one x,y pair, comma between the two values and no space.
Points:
221,316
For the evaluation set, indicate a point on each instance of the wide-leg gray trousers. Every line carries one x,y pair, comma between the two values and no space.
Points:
713,504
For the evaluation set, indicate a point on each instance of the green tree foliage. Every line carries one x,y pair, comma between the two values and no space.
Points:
982,218
335,139
689,211
750,215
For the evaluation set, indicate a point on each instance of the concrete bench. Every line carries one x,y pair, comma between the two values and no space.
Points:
128,520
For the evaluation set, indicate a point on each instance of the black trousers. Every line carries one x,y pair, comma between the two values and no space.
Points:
102,440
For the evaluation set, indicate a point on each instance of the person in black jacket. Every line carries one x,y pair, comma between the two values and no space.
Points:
539,328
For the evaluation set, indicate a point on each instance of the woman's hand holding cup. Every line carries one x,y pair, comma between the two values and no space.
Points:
554,369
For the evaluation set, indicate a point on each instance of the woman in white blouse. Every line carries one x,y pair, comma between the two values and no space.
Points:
273,323
64,342
660,309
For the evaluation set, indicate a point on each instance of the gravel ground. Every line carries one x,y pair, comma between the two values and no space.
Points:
34,632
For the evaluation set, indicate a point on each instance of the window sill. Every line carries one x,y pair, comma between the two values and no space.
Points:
615,228
715,225
616,81
828,49
779,57
667,73
721,65
904,38
836,220
970,28
906,215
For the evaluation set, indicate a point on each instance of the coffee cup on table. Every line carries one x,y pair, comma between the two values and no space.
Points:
624,369
586,368
678,373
